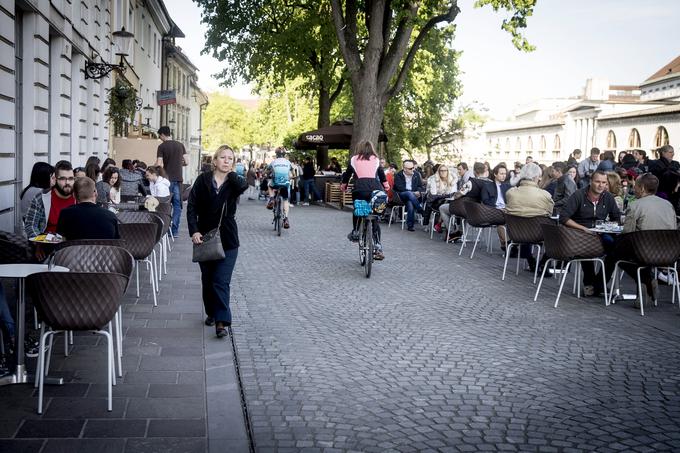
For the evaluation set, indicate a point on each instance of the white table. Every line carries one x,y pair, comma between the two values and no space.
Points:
20,272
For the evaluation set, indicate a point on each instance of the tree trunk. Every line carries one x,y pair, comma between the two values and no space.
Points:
369,110
428,150
323,120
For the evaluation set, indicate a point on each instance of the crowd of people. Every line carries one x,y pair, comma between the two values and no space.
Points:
639,193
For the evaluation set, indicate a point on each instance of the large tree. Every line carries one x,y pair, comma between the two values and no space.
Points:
269,42
379,40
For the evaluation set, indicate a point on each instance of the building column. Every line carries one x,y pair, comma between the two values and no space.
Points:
589,133
10,181
60,99
77,112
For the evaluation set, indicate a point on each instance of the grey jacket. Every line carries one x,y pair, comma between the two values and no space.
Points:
650,213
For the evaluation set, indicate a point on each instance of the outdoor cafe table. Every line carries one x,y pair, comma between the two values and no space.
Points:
20,272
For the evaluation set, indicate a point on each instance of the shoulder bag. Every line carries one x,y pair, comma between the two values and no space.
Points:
211,248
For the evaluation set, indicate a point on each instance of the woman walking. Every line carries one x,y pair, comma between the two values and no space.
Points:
213,196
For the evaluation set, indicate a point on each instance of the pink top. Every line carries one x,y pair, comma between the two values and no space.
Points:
365,168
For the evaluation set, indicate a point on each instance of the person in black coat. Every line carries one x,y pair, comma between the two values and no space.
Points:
214,196
664,163
86,220
408,184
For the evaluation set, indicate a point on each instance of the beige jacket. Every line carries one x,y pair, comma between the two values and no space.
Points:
650,213
528,200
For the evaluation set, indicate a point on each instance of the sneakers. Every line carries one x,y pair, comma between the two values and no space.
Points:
286,224
668,279
455,236
209,321
588,290
32,347
270,204
305,204
353,236
378,255
653,290
411,228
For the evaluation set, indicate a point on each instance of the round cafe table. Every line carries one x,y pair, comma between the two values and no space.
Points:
20,272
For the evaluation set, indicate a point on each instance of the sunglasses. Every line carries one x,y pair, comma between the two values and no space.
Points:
408,168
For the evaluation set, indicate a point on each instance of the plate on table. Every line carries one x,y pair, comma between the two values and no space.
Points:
48,238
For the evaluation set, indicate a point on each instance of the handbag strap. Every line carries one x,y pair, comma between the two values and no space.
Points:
221,215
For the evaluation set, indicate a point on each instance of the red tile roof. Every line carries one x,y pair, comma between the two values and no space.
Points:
670,68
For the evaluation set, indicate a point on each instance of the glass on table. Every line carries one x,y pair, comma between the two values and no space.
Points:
599,224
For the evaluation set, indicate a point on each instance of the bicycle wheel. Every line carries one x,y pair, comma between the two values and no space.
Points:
278,216
362,243
368,232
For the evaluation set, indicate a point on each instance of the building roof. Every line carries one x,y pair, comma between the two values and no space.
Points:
534,125
671,68
647,112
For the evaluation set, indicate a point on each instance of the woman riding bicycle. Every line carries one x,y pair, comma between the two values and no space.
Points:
368,176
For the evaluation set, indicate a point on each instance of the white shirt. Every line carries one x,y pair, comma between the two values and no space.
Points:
500,201
160,188
409,182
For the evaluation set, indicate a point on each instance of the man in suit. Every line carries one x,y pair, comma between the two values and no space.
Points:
409,186
86,220
494,195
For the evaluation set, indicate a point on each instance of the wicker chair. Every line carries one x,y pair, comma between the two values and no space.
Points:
14,249
648,249
164,243
97,258
147,217
483,218
76,301
521,231
397,210
457,211
109,242
572,246
140,241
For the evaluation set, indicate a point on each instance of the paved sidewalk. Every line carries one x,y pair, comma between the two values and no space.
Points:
178,393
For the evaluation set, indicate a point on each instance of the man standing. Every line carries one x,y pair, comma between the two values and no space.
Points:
582,210
665,162
171,156
86,220
587,167
43,214
409,186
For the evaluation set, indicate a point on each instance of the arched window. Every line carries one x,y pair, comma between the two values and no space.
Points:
507,144
542,145
634,139
661,138
611,140
530,144
518,144
557,147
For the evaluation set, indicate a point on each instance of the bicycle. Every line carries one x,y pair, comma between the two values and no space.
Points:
278,212
366,244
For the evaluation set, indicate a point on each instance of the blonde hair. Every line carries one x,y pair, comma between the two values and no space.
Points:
219,151
615,186
444,186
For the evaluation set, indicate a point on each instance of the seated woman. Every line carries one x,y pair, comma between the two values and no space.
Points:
615,187
440,186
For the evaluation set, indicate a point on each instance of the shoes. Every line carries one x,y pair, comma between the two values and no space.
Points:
221,332
4,368
32,347
353,236
209,321
411,228
455,235
286,224
305,204
378,255
270,204
250,198
668,279
437,227
588,290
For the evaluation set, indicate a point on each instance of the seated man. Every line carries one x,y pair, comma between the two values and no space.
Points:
43,214
471,189
86,220
565,185
648,212
582,210
493,195
528,200
409,186
280,173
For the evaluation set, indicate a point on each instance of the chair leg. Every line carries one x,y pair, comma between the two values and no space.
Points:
545,268
49,353
137,279
109,365
403,216
116,338
462,246
604,284
66,336
479,233
507,256
452,219
159,273
112,369
639,285
165,254
155,268
39,365
40,374
564,278
538,261
519,255
616,282
152,279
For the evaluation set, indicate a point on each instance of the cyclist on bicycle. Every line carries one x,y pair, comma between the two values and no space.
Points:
368,176
280,172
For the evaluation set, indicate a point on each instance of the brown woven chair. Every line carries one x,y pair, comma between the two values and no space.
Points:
14,249
140,241
147,217
397,210
572,246
483,218
164,243
457,211
76,301
648,249
521,231
109,242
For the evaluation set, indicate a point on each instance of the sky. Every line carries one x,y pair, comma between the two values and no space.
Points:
623,41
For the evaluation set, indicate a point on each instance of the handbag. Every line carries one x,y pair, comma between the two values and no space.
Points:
211,248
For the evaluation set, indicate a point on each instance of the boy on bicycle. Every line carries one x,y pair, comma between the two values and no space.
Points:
279,171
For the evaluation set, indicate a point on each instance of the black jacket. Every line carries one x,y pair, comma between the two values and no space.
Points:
87,221
489,193
660,166
579,209
205,206
563,190
416,183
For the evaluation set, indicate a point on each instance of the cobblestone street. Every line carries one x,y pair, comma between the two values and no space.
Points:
434,352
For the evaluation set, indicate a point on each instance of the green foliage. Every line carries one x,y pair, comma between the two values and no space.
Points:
122,105
520,10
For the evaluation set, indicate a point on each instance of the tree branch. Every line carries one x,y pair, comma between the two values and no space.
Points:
387,25
346,32
449,17
374,47
398,47
338,90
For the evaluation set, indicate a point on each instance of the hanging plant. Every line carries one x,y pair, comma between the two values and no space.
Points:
122,105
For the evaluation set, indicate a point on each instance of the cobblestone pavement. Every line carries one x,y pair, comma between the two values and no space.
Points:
435,353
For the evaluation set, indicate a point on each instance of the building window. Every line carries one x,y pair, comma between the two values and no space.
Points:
558,144
661,138
634,139
507,146
518,145
530,144
155,49
611,140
